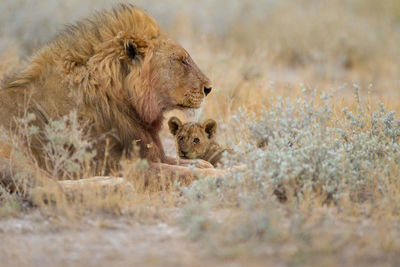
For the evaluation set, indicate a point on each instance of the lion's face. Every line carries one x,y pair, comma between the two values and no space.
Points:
179,80
160,76
192,139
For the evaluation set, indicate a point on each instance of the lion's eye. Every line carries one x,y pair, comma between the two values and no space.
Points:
184,61
196,140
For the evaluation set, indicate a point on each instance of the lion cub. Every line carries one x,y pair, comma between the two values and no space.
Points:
196,141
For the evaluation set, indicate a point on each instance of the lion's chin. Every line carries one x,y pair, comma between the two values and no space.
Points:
192,111
193,114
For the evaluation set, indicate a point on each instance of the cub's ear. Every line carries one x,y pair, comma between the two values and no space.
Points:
210,127
174,125
131,46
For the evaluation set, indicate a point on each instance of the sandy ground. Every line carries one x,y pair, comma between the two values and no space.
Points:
32,240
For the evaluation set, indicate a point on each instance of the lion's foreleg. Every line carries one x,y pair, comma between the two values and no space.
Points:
183,174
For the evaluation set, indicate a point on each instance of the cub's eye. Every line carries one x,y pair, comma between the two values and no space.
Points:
196,140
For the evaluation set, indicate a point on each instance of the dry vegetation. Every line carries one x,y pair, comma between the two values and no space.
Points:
316,82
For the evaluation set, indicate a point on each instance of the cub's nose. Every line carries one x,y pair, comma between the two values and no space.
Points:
207,90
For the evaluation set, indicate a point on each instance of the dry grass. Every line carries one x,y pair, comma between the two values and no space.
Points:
255,53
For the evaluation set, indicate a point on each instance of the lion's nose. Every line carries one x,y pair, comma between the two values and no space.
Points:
207,90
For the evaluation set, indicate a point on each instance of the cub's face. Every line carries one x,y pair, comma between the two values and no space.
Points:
192,139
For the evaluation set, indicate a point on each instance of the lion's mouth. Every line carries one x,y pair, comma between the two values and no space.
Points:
180,106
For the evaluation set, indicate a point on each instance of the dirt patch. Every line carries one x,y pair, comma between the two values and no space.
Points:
34,240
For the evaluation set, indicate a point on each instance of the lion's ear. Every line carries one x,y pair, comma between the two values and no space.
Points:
210,127
174,125
131,51
132,46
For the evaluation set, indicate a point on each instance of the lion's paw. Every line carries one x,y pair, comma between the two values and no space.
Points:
197,163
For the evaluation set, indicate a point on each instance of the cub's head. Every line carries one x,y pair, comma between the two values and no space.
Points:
131,64
192,139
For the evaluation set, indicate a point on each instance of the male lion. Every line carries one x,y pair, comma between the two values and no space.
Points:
120,73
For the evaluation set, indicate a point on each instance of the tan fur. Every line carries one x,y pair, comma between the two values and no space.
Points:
196,141
119,71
